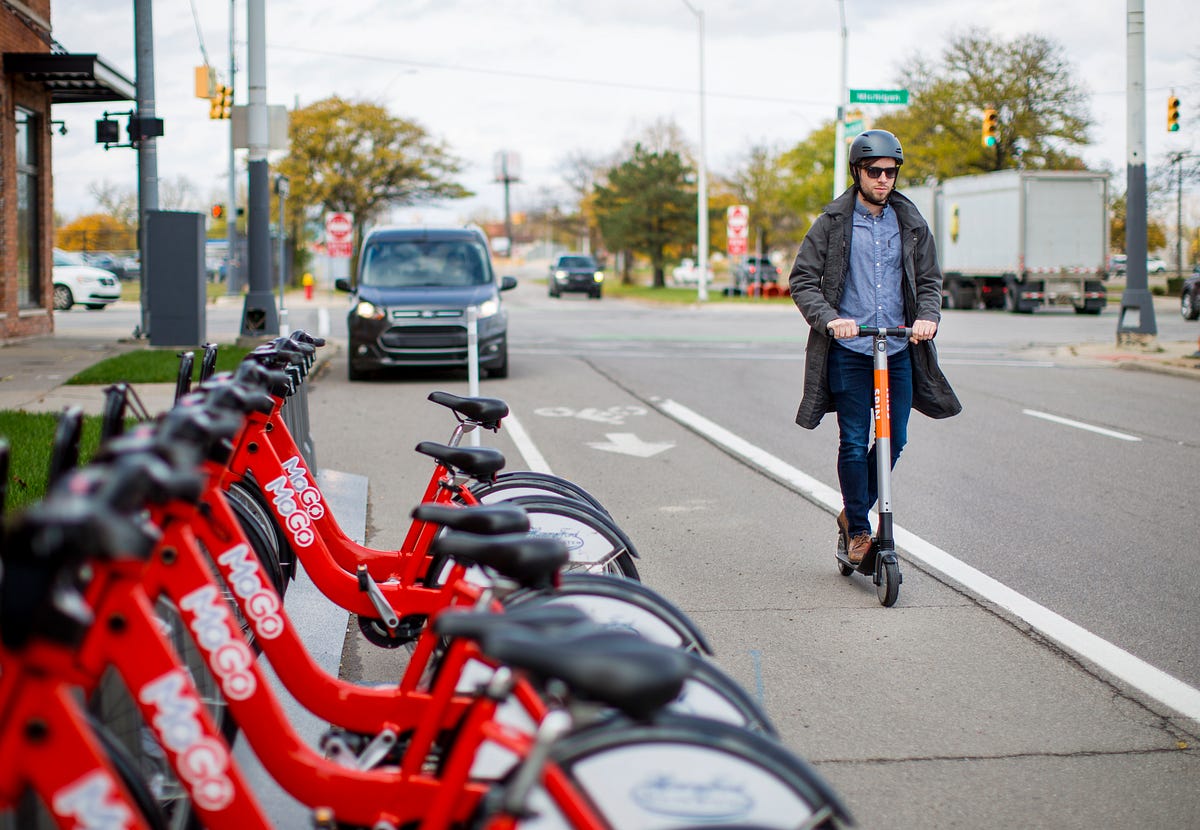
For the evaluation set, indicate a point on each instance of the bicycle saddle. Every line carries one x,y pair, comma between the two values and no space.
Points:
532,561
488,519
486,412
615,668
477,462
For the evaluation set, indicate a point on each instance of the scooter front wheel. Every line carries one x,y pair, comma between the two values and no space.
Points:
887,586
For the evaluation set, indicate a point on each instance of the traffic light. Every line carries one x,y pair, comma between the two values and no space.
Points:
221,103
218,211
1173,114
991,121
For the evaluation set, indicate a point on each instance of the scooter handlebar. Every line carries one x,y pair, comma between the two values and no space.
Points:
871,331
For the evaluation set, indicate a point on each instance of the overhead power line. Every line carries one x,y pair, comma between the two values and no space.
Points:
540,77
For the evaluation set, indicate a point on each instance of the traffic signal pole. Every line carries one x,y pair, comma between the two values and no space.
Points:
1136,325
143,35
259,317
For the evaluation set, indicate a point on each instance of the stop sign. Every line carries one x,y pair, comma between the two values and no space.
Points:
339,234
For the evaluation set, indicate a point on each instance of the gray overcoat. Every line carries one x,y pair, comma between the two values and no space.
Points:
816,282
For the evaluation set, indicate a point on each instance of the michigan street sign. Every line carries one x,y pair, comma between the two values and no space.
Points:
879,96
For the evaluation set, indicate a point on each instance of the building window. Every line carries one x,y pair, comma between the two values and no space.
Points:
29,284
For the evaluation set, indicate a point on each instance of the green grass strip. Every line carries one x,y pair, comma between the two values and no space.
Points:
30,435
153,366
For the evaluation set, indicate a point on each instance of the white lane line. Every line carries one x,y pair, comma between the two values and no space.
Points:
534,460
1046,416
1137,673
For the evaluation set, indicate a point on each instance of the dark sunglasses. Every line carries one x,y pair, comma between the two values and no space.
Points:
875,172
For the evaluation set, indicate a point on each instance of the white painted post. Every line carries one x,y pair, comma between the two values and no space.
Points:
473,362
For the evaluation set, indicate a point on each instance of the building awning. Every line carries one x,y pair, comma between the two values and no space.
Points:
71,79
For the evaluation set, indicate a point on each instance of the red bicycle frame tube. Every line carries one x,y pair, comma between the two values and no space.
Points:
357,708
127,636
47,745
430,714
267,451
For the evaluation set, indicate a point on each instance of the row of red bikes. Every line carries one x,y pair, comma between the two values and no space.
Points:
541,684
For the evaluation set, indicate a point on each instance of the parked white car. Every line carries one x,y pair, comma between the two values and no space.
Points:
1154,265
77,282
686,273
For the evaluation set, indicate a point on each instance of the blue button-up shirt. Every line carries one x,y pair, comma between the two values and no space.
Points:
873,293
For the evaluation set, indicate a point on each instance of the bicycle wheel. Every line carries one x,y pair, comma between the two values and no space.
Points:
679,772
508,485
594,542
613,602
248,494
596,545
30,814
707,695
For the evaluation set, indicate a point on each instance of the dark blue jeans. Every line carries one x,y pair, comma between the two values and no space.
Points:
852,384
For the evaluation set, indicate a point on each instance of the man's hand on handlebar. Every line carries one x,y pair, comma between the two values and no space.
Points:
923,330
841,328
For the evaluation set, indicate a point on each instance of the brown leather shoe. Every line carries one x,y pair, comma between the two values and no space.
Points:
858,547
844,526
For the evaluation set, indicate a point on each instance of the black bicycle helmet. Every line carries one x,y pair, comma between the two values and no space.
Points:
876,144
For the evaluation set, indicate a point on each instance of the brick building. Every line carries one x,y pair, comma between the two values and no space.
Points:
36,73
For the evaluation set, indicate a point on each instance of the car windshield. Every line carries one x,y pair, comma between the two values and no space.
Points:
581,262
407,263
68,258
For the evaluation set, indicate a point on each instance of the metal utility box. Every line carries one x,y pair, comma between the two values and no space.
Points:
174,263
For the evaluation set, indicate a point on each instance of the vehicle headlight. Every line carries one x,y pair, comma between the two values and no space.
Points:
560,275
369,311
598,276
489,308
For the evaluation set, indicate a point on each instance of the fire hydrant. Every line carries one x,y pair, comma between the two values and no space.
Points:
307,281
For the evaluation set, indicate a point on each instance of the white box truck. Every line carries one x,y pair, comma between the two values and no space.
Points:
1019,239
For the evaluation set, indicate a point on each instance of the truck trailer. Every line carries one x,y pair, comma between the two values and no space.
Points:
1020,239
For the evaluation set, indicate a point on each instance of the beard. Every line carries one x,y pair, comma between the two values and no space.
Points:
869,195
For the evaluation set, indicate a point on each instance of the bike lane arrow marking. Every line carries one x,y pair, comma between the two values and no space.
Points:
627,443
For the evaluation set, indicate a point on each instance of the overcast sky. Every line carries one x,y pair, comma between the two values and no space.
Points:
548,79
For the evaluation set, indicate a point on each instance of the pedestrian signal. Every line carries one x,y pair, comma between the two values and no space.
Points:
991,123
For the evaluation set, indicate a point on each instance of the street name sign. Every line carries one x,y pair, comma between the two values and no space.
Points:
879,96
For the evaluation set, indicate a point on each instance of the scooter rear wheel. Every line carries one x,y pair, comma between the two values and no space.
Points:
844,566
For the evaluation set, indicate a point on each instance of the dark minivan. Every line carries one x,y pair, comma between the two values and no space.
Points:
410,301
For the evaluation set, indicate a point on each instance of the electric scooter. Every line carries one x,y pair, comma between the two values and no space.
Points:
880,560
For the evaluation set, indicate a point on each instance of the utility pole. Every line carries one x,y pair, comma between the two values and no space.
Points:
258,313
839,146
1136,325
233,277
143,36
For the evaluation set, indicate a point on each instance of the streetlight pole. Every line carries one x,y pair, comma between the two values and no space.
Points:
702,189
1136,325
